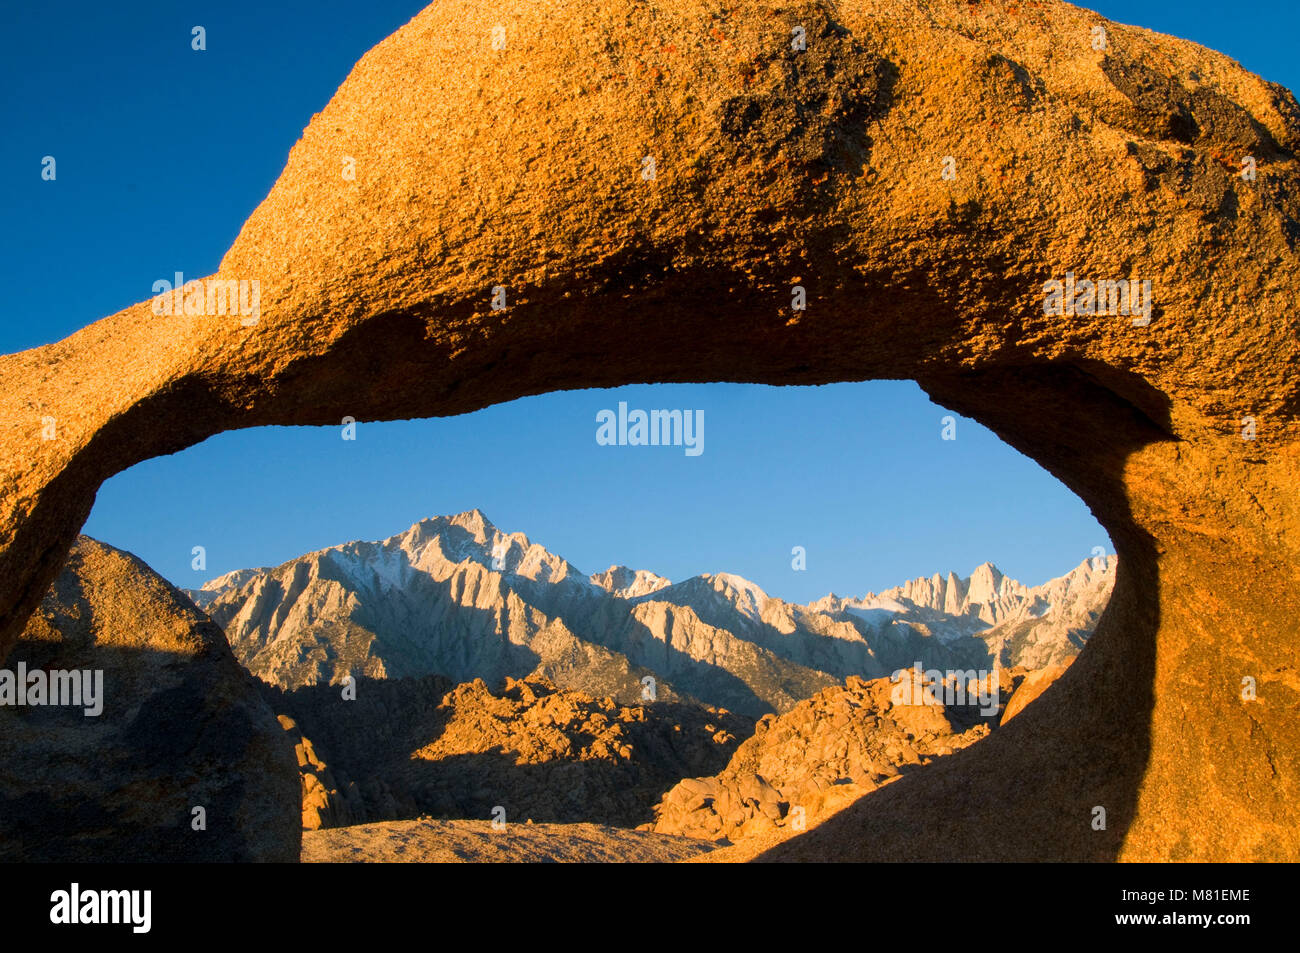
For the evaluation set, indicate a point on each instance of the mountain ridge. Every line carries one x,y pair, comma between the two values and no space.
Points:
456,596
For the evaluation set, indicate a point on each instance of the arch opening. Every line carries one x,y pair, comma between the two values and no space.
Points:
723,631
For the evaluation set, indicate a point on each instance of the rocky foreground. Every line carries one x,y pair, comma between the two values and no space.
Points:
797,770
188,757
827,752
410,747
431,841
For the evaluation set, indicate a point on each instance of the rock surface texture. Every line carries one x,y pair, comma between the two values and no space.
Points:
525,167
181,726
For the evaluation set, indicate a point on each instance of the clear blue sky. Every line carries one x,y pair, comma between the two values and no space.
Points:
162,153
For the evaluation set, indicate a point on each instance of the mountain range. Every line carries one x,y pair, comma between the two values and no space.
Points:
457,597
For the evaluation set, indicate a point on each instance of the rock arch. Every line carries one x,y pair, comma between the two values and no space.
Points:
524,167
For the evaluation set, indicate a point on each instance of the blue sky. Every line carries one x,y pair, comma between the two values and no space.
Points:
162,152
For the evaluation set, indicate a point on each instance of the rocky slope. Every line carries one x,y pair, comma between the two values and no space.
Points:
410,747
825,753
182,726
457,597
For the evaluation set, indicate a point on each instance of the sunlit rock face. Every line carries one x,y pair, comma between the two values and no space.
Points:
525,169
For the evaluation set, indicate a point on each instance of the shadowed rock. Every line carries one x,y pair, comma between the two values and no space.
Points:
525,167
181,726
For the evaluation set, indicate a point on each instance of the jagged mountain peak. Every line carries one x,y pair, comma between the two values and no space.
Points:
629,583
467,531
730,582
747,596
984,584
233,578
476,523
707,590
428,547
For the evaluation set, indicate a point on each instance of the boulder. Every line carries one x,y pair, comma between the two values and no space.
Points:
185,761
1033,685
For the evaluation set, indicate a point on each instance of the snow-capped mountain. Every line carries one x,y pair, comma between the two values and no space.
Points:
629,583
1034,627
455,596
